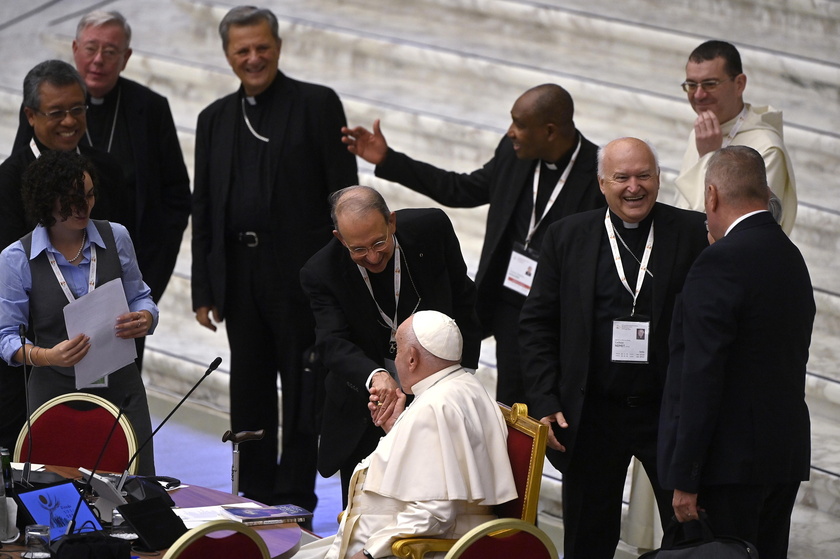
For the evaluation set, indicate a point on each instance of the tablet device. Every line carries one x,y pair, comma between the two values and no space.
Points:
54,506
155,523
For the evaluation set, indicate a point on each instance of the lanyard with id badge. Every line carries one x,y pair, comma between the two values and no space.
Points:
523,259
630,334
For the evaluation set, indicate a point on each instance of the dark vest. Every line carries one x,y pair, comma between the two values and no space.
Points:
47,300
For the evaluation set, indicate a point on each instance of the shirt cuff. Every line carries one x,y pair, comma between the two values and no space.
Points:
370,376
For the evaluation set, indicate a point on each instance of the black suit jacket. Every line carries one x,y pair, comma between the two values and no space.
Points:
556,325
500,183
308,162
734,407
349,338
161,205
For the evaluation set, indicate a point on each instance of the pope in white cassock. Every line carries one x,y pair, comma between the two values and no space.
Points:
444,462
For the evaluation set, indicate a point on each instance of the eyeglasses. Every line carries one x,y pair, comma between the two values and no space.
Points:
377,247
109,54
707,85
60,114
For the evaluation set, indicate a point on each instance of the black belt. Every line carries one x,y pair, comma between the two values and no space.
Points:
630,401
248,238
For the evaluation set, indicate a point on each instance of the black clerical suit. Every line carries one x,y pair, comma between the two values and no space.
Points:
259,212
506,184
14,224
612,409
144,142
352,338
734,426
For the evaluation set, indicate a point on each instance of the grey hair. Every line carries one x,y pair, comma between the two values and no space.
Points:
247,15
602,149
53,72
358,200
739,174
98,18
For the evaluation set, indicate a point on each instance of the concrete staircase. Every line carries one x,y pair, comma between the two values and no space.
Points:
443,74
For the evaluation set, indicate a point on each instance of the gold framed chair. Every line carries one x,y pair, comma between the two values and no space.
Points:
219,539
526,443
71,430
503,538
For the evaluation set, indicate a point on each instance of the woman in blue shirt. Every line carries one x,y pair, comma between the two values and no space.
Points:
66,256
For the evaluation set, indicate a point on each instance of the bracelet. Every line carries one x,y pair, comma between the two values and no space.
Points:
44,355
31,362
367,554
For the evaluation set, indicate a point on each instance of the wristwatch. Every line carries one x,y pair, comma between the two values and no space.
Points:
367,554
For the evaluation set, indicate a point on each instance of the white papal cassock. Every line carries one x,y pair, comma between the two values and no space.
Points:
437,473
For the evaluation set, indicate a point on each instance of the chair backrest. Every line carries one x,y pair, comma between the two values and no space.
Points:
504,538
219,539
526,442
71,430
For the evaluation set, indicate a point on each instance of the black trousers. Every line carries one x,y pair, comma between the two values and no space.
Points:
610,434
510,388
757,513
12,404
269,328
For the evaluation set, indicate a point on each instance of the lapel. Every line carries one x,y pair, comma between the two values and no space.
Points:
580,173
139,139
587,261
511,186
666,240
225,134
283,100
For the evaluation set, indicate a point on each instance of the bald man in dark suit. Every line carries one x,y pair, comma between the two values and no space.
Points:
735,429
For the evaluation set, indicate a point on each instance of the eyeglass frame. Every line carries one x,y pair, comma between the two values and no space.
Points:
60,114
109,53
706,85
377,247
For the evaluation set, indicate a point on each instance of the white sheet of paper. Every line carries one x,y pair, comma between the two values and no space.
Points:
95,315
196,516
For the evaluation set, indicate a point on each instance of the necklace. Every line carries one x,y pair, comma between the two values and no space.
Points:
78,254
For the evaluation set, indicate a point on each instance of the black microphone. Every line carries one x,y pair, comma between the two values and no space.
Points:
27,466
216,362
71,525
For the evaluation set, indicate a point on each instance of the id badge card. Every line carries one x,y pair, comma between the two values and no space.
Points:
98,383
630,340
521,269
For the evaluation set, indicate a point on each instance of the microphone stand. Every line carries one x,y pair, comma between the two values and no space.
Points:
216,362
27,466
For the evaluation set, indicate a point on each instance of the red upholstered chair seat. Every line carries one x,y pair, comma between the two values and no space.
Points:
71,430
235,544
502,539
219,539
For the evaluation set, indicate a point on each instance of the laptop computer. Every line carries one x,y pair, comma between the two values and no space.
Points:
54,506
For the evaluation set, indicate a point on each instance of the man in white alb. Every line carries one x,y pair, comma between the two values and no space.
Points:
715,83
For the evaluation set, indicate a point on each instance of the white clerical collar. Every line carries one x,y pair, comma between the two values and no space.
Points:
251,100
423,385
740,219
550,166
97,100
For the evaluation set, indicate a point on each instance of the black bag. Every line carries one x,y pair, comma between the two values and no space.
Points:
696,540
91,546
